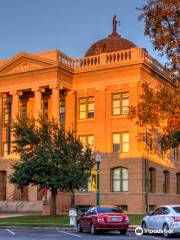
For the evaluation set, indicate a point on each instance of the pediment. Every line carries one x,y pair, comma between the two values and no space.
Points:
25,63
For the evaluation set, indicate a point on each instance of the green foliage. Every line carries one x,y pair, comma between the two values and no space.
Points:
162,18
51,157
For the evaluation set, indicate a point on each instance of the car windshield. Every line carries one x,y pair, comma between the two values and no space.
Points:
176,209
109,210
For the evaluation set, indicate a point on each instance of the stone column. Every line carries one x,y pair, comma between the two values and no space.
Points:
37,101
56,103
14,112
14,105
1,105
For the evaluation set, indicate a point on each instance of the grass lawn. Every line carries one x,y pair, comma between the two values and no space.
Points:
51,221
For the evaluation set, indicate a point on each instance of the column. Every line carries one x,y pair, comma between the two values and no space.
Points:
14,105
14,112
37,101
1,124
56,103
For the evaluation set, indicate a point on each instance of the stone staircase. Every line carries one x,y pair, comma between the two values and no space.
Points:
24,207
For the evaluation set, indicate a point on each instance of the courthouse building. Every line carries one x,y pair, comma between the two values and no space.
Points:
92,96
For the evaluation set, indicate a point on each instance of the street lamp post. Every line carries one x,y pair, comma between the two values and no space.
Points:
98,161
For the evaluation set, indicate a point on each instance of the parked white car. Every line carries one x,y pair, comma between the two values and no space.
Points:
165,220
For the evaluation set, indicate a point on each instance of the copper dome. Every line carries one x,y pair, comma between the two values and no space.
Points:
112,43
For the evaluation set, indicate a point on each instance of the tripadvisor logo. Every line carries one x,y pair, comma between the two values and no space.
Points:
139,231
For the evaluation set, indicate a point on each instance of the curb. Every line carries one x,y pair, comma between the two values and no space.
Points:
130,229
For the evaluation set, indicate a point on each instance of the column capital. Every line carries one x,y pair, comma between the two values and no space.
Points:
56,86
38,89
14,92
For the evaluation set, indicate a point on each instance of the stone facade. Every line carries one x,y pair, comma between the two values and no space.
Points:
51,79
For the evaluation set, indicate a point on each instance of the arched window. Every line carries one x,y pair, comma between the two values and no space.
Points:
152,180
120,179
166,177
178,183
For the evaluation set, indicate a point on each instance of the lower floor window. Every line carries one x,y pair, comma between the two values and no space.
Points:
120,180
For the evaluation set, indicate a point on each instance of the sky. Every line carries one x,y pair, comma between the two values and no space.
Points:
70,26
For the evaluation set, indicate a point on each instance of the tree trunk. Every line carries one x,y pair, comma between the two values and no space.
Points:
53,202
72,199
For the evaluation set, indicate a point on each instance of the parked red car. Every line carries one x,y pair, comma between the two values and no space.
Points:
103,219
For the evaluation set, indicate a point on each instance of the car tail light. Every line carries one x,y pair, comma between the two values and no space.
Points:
126,219
176,219
100,218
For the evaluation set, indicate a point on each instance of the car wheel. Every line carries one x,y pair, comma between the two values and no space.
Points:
166,231
144,228
93,229
123,232
79,228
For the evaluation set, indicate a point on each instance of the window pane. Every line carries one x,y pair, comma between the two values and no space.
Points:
116,104
90,141
83,107
125,186
124,173
116,185
83,140
82,115
116,174
116,96
116,148
116,111
125,95
116,138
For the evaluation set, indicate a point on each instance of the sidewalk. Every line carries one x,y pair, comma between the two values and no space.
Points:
11,215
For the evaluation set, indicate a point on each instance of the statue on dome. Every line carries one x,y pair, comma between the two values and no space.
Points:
115,22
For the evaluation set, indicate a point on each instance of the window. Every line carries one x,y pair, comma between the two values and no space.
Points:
24,110
178,183
175,154
121,142
87,141
152,180
6,116
166,181
62,111
5,149
86,108
120,103
120,180
45,107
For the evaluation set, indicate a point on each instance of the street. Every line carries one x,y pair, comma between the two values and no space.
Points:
46,234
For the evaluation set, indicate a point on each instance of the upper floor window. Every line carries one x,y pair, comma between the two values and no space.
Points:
86,108
121,142
120,180
152,180
87,140
6,112
62,111
178,183
24,110
120,103
176,154
45,107
166,179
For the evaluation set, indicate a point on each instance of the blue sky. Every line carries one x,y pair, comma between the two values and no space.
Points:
68,25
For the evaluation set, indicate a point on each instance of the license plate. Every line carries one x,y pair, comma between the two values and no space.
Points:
115,219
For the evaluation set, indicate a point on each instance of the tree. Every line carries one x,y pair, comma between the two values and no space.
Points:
162,19
159,108
52,157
